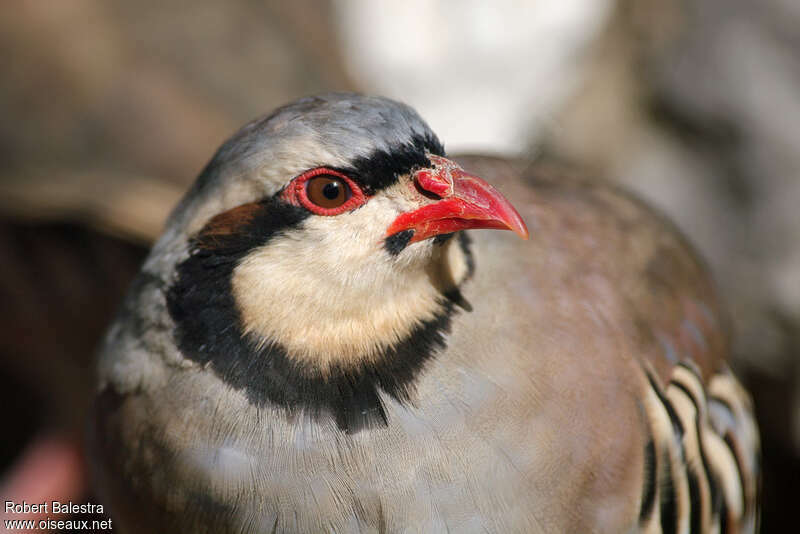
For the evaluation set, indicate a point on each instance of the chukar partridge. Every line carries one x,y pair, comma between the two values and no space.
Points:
317,344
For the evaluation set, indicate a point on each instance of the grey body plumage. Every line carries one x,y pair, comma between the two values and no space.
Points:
540,410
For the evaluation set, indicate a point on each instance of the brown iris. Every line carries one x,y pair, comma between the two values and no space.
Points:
327,191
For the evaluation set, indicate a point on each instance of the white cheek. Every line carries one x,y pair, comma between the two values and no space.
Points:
329,293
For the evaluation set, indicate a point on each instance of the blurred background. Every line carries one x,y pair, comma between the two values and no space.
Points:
110,109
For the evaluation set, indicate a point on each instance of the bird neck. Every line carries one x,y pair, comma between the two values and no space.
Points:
326,316
273,332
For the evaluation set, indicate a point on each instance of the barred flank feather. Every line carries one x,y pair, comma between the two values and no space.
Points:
705,451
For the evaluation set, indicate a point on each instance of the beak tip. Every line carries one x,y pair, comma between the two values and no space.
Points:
517,225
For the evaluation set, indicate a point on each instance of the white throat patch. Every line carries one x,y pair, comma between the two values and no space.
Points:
330,295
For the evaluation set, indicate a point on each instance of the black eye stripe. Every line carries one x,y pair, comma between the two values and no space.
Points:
381,169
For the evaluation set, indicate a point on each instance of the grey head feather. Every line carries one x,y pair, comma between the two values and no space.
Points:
331,129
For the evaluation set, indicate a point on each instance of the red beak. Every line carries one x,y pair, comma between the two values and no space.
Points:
466,202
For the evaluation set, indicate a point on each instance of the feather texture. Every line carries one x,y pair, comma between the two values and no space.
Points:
274,371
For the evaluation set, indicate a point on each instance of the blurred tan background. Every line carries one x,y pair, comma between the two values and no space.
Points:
110,109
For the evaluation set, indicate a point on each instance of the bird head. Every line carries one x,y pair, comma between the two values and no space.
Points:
321,241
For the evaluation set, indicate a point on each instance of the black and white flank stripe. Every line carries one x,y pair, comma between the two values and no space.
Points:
701,472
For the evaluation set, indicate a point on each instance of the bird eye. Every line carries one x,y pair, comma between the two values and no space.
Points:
324,191
328,191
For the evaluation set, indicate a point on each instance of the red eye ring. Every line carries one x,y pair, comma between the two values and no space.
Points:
296,192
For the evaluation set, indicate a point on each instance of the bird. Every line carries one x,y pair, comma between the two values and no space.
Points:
344,329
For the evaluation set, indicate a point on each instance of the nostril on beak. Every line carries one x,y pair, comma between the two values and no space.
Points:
433,185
